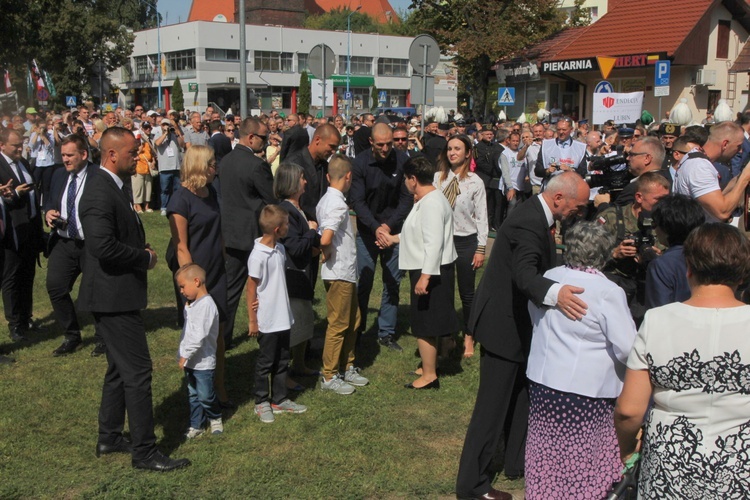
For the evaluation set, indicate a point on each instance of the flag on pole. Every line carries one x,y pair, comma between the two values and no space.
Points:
8,85
151,65
163,65
48,80
29,84
37,75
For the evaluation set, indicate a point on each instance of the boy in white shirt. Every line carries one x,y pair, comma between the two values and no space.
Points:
339,273
272,321
197,353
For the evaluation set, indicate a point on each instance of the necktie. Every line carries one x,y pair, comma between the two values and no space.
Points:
452,191
71,206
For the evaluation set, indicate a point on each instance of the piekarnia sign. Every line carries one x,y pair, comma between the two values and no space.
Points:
622,108
587,64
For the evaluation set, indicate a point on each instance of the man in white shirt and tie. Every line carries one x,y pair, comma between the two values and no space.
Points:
24,217
66,250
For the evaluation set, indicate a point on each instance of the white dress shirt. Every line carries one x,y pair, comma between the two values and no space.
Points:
588,356
470,212
333,213
427,235
80,180
267,265
199,335
25,177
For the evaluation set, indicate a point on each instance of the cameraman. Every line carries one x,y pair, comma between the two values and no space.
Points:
169,142
631,226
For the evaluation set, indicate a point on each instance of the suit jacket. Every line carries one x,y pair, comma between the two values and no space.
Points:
246,187
295,139
57,186
28,230
221,144
361,139
114,271
740,159
317,183
522,253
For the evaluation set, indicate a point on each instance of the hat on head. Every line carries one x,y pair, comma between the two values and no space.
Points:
460,123
30,111
625,132
669,129
584,121
444,126
151,112
167,121
229,117
413,130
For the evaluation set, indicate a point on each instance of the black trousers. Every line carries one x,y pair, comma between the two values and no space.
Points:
502,393
127,383
236,265
466,248
63,268
18,285
273,361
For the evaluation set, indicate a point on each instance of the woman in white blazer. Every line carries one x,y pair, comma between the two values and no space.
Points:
427,252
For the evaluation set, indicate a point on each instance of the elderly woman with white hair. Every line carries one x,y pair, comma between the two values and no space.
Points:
576,371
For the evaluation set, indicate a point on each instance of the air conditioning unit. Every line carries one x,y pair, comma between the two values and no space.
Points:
230,79
705,77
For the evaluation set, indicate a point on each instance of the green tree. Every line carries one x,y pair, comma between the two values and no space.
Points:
67,37
304,97
335,20
178,97
373,97
477,33
579,16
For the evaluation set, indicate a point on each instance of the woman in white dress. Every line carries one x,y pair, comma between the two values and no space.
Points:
693,359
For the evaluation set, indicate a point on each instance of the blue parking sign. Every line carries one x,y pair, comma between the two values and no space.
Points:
661,73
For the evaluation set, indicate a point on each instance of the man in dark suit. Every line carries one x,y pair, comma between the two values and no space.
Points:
66,240
246,187
523,251
740,159
221,144
314,161
114,289
24,216
361,136
295,138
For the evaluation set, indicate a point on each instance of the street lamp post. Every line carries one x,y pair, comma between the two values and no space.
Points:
152,3
348,54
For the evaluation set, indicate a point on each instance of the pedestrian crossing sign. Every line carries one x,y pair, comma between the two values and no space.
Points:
506,96
70,101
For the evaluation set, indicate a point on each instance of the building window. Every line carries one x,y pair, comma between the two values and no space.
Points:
722,41
393,67
359,65
274,61
181,60
302,63
222,55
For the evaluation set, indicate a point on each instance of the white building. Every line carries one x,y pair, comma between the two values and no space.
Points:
205,56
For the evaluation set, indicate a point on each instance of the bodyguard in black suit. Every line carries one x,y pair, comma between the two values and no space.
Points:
66,240
114,289
246,187
24,216
362,135
221,144
295,138
523,251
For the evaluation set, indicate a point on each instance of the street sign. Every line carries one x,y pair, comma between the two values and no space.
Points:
424,46
70,101
506,96
42,94
321,57
348,96
382,96
418,87
192,87
603,87
661,73
661,91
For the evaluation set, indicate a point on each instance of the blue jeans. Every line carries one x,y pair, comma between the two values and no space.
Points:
168,181
367,255
202,397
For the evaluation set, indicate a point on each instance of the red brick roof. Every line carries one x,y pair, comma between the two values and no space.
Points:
206,10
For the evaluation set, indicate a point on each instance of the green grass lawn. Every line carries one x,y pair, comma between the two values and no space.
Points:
383,441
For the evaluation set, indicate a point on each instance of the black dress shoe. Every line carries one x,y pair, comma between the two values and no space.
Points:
68,346
17,335
435,384
122,446
34,326
161,463
99,349
390,343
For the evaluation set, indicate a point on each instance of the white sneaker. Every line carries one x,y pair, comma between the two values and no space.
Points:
337,385
193,433
164,212
353,377
264,412
216,425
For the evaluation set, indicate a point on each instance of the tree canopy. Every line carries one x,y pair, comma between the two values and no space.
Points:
67,37
479,32
335,20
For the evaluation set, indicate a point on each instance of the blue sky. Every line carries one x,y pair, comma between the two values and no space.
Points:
177,10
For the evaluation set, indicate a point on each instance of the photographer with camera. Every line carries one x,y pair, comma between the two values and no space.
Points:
66,250
169,143
631,226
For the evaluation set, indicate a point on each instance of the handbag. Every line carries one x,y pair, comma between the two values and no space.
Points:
627,487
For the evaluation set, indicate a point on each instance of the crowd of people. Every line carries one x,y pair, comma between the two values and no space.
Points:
607,243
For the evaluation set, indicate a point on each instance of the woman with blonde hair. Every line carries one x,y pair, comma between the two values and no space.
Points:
466,195
195,224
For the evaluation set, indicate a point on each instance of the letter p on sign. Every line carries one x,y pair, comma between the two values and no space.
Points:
661,73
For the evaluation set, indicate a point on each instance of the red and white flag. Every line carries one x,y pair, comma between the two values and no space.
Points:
8,85
37,75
